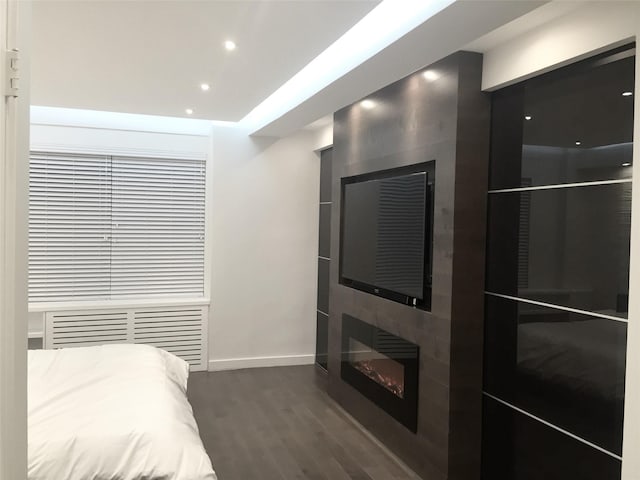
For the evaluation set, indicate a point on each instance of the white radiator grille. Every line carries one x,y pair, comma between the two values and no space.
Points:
181,330
178,331
82,329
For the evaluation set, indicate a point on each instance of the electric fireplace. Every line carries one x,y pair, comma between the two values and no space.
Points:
383,367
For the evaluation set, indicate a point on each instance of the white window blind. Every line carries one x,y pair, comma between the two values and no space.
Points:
158,227
69,227
107,227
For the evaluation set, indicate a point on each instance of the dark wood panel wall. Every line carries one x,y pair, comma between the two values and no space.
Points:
441,116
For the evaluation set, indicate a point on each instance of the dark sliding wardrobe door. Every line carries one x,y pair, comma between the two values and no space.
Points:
557,281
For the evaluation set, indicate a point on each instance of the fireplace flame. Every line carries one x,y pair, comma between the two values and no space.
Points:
385,372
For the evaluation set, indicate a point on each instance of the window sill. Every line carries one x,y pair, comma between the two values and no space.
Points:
108,304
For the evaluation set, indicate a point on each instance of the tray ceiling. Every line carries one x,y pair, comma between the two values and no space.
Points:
151,57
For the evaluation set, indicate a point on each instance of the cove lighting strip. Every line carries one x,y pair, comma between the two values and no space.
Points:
382,26
74,117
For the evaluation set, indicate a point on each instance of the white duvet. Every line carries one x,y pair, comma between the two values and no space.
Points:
113,412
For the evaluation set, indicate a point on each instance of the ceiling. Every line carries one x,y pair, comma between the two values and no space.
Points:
150,57
450,30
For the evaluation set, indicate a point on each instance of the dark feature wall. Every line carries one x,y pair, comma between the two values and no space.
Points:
442,116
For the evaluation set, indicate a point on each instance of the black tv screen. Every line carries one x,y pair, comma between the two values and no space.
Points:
386,236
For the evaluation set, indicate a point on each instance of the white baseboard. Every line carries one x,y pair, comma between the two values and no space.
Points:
259,362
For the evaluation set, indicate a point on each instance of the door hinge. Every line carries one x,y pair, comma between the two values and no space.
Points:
11,73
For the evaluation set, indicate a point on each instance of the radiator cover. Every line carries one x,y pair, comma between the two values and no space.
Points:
181,330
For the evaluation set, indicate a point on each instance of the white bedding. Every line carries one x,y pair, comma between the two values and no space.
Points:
113,412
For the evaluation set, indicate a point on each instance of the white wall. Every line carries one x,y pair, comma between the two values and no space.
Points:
591,28
262,225
55,129
584,31
265,247
323,137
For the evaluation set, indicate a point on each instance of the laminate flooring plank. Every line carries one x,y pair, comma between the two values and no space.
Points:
370,457
348,458
279,424
287,464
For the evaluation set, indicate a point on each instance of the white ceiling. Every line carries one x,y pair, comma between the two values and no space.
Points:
450,30
149,57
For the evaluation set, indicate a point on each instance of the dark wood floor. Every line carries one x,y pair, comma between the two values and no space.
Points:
278,424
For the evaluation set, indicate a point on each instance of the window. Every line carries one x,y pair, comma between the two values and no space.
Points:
109,227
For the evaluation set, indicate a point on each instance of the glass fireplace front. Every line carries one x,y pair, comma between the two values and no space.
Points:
378,367
383,367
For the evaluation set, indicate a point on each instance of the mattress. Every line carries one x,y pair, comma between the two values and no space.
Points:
116,412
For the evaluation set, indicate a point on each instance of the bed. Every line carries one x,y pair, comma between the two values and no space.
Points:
116,412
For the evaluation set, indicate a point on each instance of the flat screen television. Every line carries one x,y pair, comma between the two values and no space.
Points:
386,234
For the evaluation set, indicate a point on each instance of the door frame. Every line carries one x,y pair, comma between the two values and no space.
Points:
14,150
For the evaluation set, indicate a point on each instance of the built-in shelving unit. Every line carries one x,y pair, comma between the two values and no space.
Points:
324,258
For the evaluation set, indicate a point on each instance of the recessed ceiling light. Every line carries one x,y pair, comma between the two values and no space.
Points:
528,117
578,143
430,75
230,45
627,94
205,87
189,111
626,164
368,104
